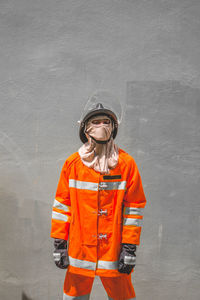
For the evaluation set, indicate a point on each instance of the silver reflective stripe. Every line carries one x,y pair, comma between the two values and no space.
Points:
83,264
135,222
83,185
133,211
59,216
114,185
60,205
85,297
129,260
93,186
107,265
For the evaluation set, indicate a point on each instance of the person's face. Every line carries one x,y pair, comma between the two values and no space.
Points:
101,121
99,127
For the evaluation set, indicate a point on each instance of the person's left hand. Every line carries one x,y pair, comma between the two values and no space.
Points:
127,258
60,254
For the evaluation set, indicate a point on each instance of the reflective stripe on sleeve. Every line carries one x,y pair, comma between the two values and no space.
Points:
83,185
60,205
84,297
107,265
130,221
83,264
133,211
58,216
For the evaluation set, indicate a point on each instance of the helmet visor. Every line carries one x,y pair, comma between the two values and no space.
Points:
107,100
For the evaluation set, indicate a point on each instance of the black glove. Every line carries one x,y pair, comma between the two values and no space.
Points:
60,254
127,258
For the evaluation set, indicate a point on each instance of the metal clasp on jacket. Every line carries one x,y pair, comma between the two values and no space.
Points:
102,185
102,236
103,212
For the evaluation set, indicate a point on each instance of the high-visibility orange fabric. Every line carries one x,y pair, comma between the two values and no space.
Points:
77,285
97,213
117,288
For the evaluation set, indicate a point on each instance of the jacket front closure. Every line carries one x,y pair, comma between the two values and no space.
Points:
97,209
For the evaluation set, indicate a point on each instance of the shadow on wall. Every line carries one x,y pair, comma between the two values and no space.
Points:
24,297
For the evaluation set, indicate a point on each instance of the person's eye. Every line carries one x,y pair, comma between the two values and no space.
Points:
96,122
106,121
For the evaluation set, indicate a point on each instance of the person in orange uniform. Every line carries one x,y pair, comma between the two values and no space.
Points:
98,211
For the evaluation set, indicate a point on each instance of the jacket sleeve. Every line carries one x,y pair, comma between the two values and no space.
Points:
133,206
61,211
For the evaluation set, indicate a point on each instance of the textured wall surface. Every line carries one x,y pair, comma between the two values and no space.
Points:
53,55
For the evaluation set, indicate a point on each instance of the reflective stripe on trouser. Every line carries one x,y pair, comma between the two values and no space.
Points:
79,287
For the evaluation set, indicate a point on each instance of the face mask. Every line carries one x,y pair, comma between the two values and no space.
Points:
99,128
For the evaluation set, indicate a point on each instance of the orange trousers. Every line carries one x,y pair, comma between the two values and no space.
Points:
79,287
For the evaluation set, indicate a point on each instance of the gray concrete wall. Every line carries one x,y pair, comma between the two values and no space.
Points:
53,54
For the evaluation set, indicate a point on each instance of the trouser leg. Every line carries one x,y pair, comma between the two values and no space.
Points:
77,287
119,288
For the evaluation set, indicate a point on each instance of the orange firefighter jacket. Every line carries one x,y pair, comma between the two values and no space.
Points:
96,213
